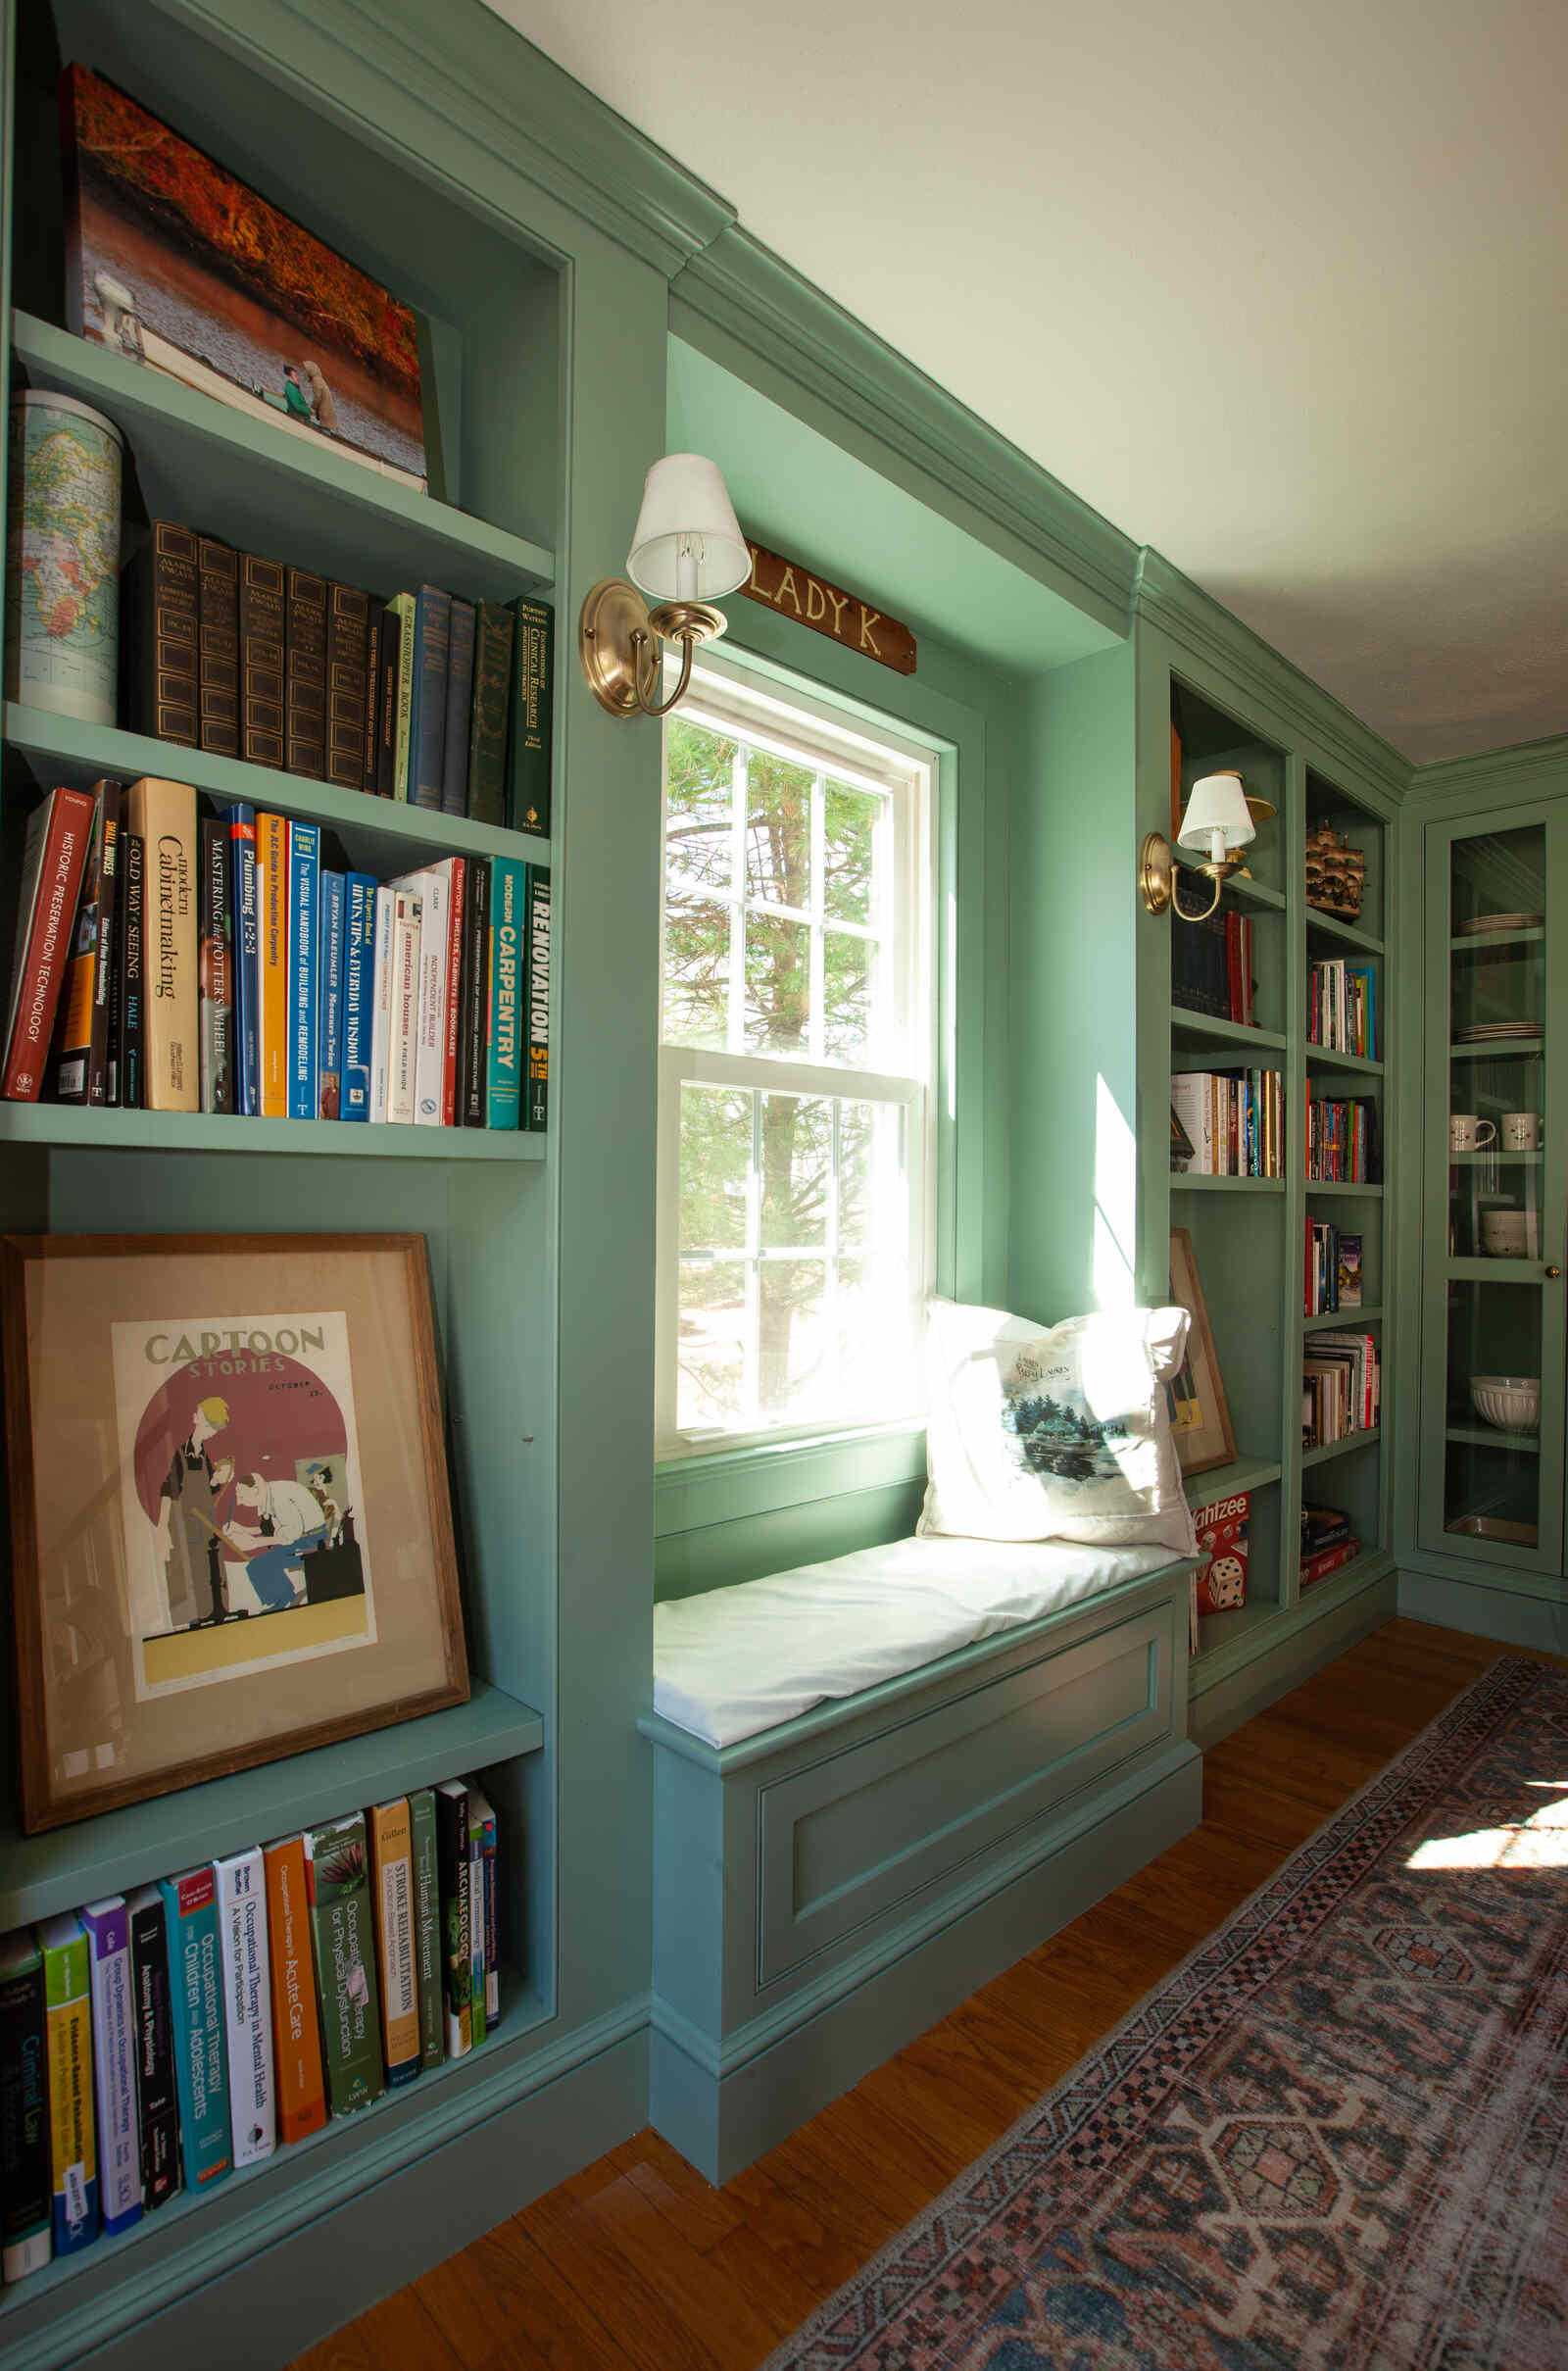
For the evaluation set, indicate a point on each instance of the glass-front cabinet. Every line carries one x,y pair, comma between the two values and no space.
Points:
1496,1135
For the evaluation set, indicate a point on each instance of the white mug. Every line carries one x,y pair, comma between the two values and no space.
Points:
1467,1134
1521,1131
1510,1235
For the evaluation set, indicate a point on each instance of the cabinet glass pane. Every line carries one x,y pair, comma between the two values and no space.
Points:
1498,1035
1492,1462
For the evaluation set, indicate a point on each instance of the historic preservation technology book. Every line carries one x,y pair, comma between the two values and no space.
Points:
156,2100
247,2004
74,2165
201,2077
216,969
163,814
427,1924
531,714
54,858
456,1933
536,1000
296,2034
25,2183
392,1866
69,1077
342,1930
106,1927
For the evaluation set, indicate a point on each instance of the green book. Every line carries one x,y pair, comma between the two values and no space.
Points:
402,607
427,1928
532,703
487,732
337,1886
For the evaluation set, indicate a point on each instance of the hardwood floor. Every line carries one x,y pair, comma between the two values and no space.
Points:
636,2261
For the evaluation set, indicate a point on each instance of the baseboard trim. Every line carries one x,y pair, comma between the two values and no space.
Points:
1219,1710
1488,1608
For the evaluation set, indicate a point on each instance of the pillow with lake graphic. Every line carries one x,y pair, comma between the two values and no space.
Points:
1055,1432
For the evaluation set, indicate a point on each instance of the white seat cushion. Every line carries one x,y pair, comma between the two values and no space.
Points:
737,1660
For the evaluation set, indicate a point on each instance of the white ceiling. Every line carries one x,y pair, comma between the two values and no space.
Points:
1277,289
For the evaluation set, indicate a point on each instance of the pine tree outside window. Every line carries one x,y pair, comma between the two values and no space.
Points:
797,1057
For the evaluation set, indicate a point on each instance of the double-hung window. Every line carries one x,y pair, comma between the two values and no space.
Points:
795,1068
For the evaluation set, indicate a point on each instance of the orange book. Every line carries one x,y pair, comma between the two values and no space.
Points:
296,2042
272,962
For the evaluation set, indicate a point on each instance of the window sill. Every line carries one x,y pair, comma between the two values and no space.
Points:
694,1488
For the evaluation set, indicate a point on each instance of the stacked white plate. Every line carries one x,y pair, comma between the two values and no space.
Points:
1490,1033
1483,925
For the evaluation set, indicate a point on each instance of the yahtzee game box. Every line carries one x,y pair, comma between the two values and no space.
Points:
1221,1578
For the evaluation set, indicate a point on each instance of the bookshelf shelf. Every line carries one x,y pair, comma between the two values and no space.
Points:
1328,927
1225,1481
1336,1185
1513,1160
1365,1439
198,459
1490,1436
1497,1049
1227,1185
1475,942
1342,1320
1255,893
1322,1058
1204,1028
106,1131
43,1874
1218,1631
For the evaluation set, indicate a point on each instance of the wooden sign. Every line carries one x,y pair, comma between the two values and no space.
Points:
783,584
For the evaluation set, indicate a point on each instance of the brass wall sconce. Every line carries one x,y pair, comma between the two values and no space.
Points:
1221,819
688,552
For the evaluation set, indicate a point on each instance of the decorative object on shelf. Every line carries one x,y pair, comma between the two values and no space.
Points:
1222,1527
1510,1234
232,1531
1183,1151
688,552
63,557
1484,926
1510,1401
177,264
1521,1132
1336,874
1504,1530
1220,818
1465,1132
846,618
1200,1414
1487,1033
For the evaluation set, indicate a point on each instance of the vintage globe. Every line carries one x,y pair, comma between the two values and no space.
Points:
63,557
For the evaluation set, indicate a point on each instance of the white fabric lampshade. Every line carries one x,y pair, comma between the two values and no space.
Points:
688,546
1216,816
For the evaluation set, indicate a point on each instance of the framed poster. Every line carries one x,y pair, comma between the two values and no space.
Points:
232,1531
1200,1417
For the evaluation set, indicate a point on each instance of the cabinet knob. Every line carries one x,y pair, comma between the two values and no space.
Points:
1555,1273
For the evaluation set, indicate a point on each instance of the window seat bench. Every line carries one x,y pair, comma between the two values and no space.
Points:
877,1782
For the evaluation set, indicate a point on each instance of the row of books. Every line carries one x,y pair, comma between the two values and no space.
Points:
244,966
1333,1273
1342,1008
1234,1121
1343,1144
1341,1388
424,697
1328,1542
1212,966
158,2041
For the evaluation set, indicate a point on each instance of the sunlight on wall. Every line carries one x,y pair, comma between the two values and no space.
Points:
1540,1842
1115,1203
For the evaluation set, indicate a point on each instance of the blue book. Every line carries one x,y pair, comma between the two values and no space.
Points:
201,2063
458,707
241,821
502,1107
304,869
359,994
428,716
329,997
106,1927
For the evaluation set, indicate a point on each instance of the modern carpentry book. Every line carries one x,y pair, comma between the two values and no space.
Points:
163,816
504,1064
106,1927
392,1874
74,2163
25,2211
196,2006
157,2097
343,1936
296,2030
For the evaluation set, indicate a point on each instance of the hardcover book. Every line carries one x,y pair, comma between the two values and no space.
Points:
536,1000
74,2163
405,609
261,658
216,969
329,997
504,1067
196,2006
54,858
347,685
473,1043
492,697
457,920
428,722
271,963
533,710
342,1928
25,2211
133,985
103,1061
374,629
458,707
244,941
106,1927
305,639
427,1925
156,2100
163,816
456,1933
296,2033
218,608
432,888
304,869
359,994
392,1862
242,1886
70,1044
159,605
388,696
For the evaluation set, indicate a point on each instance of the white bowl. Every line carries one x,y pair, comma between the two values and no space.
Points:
1512,1402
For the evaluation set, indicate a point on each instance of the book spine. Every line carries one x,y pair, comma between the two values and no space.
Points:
477,2014
347,685
532,707
271,963
25,2211
427,1925
474,1046
381,1005
296,2034
246,1059
402,1046
305,675
106,1927
216,969
492,694
405,609
457,911
217,610
261,660
427,729
392,1852
359,993
458,707
386,702
375,637
492,1922
69,1062
201,2077
502,1107
433,890
329,997
133,983
164,815
303,873
161,624
342,1929
74,2165
247,2005
157,2103
103,1060
452,1862
54,858
536,1000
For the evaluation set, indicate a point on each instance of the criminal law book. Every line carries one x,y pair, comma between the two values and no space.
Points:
492,697
271,965
133,984
305,670
71,1041
474,1024
157,2100
54,858
381,1004
241,1884
296,2031
261,658
458,707
196,2009
403,1040
67,2015
404,607
392,1871
375,628
426,1925
427,721
536,1000
241,821
342,1930
387,701
215,967
432,887
329,996
164,813
304,872
217,611
161,634
103,1060
25,2211
502,1107
533,710
456,1932
487,1951
106,1927
348,612
359,994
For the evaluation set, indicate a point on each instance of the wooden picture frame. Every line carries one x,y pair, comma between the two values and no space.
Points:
231,1523
1201,1416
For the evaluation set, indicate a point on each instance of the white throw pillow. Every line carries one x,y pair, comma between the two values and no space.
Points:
1056,1432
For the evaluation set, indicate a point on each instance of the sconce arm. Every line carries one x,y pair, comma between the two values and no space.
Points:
646,647
1175,895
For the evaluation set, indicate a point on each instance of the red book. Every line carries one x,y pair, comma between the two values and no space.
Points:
53,861
449,1069
1233,965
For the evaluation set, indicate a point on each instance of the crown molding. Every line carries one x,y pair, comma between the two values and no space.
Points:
1523,768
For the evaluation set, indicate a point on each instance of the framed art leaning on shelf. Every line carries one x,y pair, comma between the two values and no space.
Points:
1200,1413
231,1530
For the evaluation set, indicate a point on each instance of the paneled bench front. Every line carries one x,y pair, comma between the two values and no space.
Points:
828,1888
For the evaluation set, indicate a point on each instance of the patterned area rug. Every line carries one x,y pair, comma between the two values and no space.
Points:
1334,2140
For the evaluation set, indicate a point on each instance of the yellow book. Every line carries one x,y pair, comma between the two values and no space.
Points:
68,2041
392,1866
272,962
162,815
